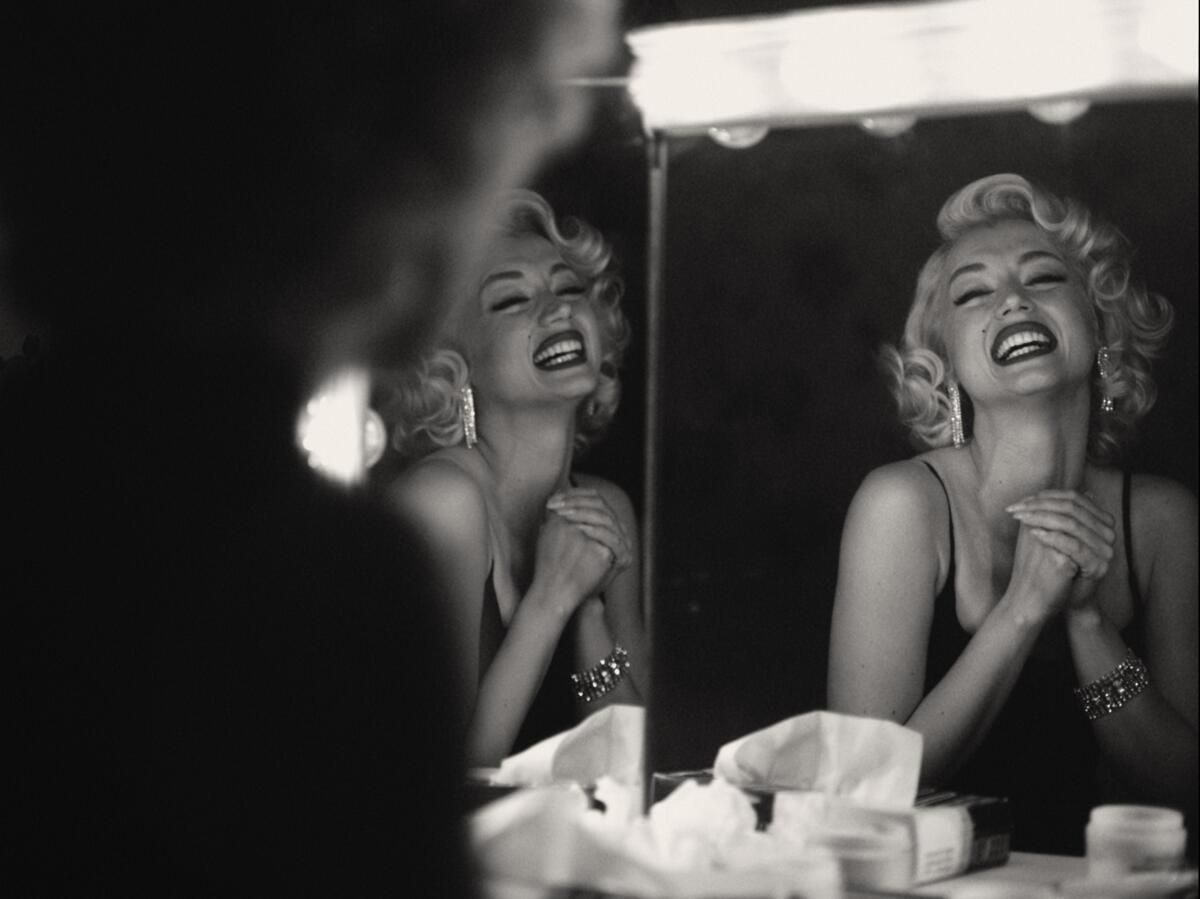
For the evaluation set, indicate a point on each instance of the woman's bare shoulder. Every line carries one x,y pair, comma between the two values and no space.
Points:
441,491
903,488
1161,508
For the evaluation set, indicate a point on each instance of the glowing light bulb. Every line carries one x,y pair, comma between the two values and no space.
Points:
332,427
738,137
374,438
887,125
1058,112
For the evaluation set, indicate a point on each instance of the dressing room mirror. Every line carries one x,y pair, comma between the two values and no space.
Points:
785,256
786,232
786,266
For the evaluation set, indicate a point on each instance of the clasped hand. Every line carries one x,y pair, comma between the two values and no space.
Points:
1064,545
582,545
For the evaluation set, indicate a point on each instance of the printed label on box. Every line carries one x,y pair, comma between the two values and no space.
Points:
942,837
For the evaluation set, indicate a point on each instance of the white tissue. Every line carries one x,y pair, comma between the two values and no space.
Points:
699,842
866,760
606,743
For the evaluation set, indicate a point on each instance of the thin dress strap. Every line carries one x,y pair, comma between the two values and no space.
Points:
1134,590
949,510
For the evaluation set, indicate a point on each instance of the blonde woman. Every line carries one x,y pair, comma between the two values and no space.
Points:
995,591
537,564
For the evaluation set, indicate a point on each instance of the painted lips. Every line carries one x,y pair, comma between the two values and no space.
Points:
560,351
1023,340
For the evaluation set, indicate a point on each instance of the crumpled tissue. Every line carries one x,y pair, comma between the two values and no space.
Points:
698,842
606,743
864,760
831,774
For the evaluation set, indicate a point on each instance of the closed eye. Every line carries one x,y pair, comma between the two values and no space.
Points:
970,295
508,303
1048,278
572,291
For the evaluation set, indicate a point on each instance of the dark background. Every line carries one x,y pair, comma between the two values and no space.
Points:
788,264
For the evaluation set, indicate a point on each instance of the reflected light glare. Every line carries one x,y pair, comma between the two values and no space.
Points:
1028,47
887,125
738,137
1169,33
817,71
1059,112
824,65
713,90
331,429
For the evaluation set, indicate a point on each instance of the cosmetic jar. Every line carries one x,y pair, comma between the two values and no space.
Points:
1124,839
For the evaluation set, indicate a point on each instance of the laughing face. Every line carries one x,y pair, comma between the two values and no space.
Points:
1018,319
532,336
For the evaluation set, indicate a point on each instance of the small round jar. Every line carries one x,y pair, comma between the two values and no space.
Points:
1123,839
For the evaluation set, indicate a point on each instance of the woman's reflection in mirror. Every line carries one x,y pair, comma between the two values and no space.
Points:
1013,592
537,563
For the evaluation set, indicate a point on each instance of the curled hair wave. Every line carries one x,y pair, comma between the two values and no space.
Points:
1132,321
423,403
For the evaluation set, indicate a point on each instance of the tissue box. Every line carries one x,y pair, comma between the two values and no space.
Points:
991,824
939,851
953,833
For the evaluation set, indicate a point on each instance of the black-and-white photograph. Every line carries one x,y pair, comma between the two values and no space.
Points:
600,448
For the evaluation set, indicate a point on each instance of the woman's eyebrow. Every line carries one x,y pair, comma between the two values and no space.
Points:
965,269
1036,254
1025,257
500,276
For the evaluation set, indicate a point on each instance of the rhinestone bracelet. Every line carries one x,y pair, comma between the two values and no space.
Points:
1106,694
602,677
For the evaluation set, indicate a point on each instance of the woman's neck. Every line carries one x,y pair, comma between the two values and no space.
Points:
529,454
1021,448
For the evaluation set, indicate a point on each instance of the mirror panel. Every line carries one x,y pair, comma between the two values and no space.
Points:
787,265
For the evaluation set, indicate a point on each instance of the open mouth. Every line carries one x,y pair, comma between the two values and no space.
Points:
560,350
1023,340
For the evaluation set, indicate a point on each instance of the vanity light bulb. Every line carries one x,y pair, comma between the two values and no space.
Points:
334,426
887,125
738,137
1058,112
374,438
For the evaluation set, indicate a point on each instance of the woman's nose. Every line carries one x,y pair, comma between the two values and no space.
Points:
555,308
1011,300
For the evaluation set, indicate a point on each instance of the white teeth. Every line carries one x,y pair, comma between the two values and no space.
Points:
1026,341
562,348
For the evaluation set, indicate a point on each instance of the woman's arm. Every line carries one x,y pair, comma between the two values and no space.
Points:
1151,741
445,504
620,617
444,509
893,559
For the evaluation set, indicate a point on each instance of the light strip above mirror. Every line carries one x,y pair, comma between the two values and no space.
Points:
840,64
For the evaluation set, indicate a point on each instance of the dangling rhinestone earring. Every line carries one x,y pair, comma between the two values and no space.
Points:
1105,365
467,398
956,421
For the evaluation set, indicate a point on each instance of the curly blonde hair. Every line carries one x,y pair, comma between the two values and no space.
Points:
1132,321
422,404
